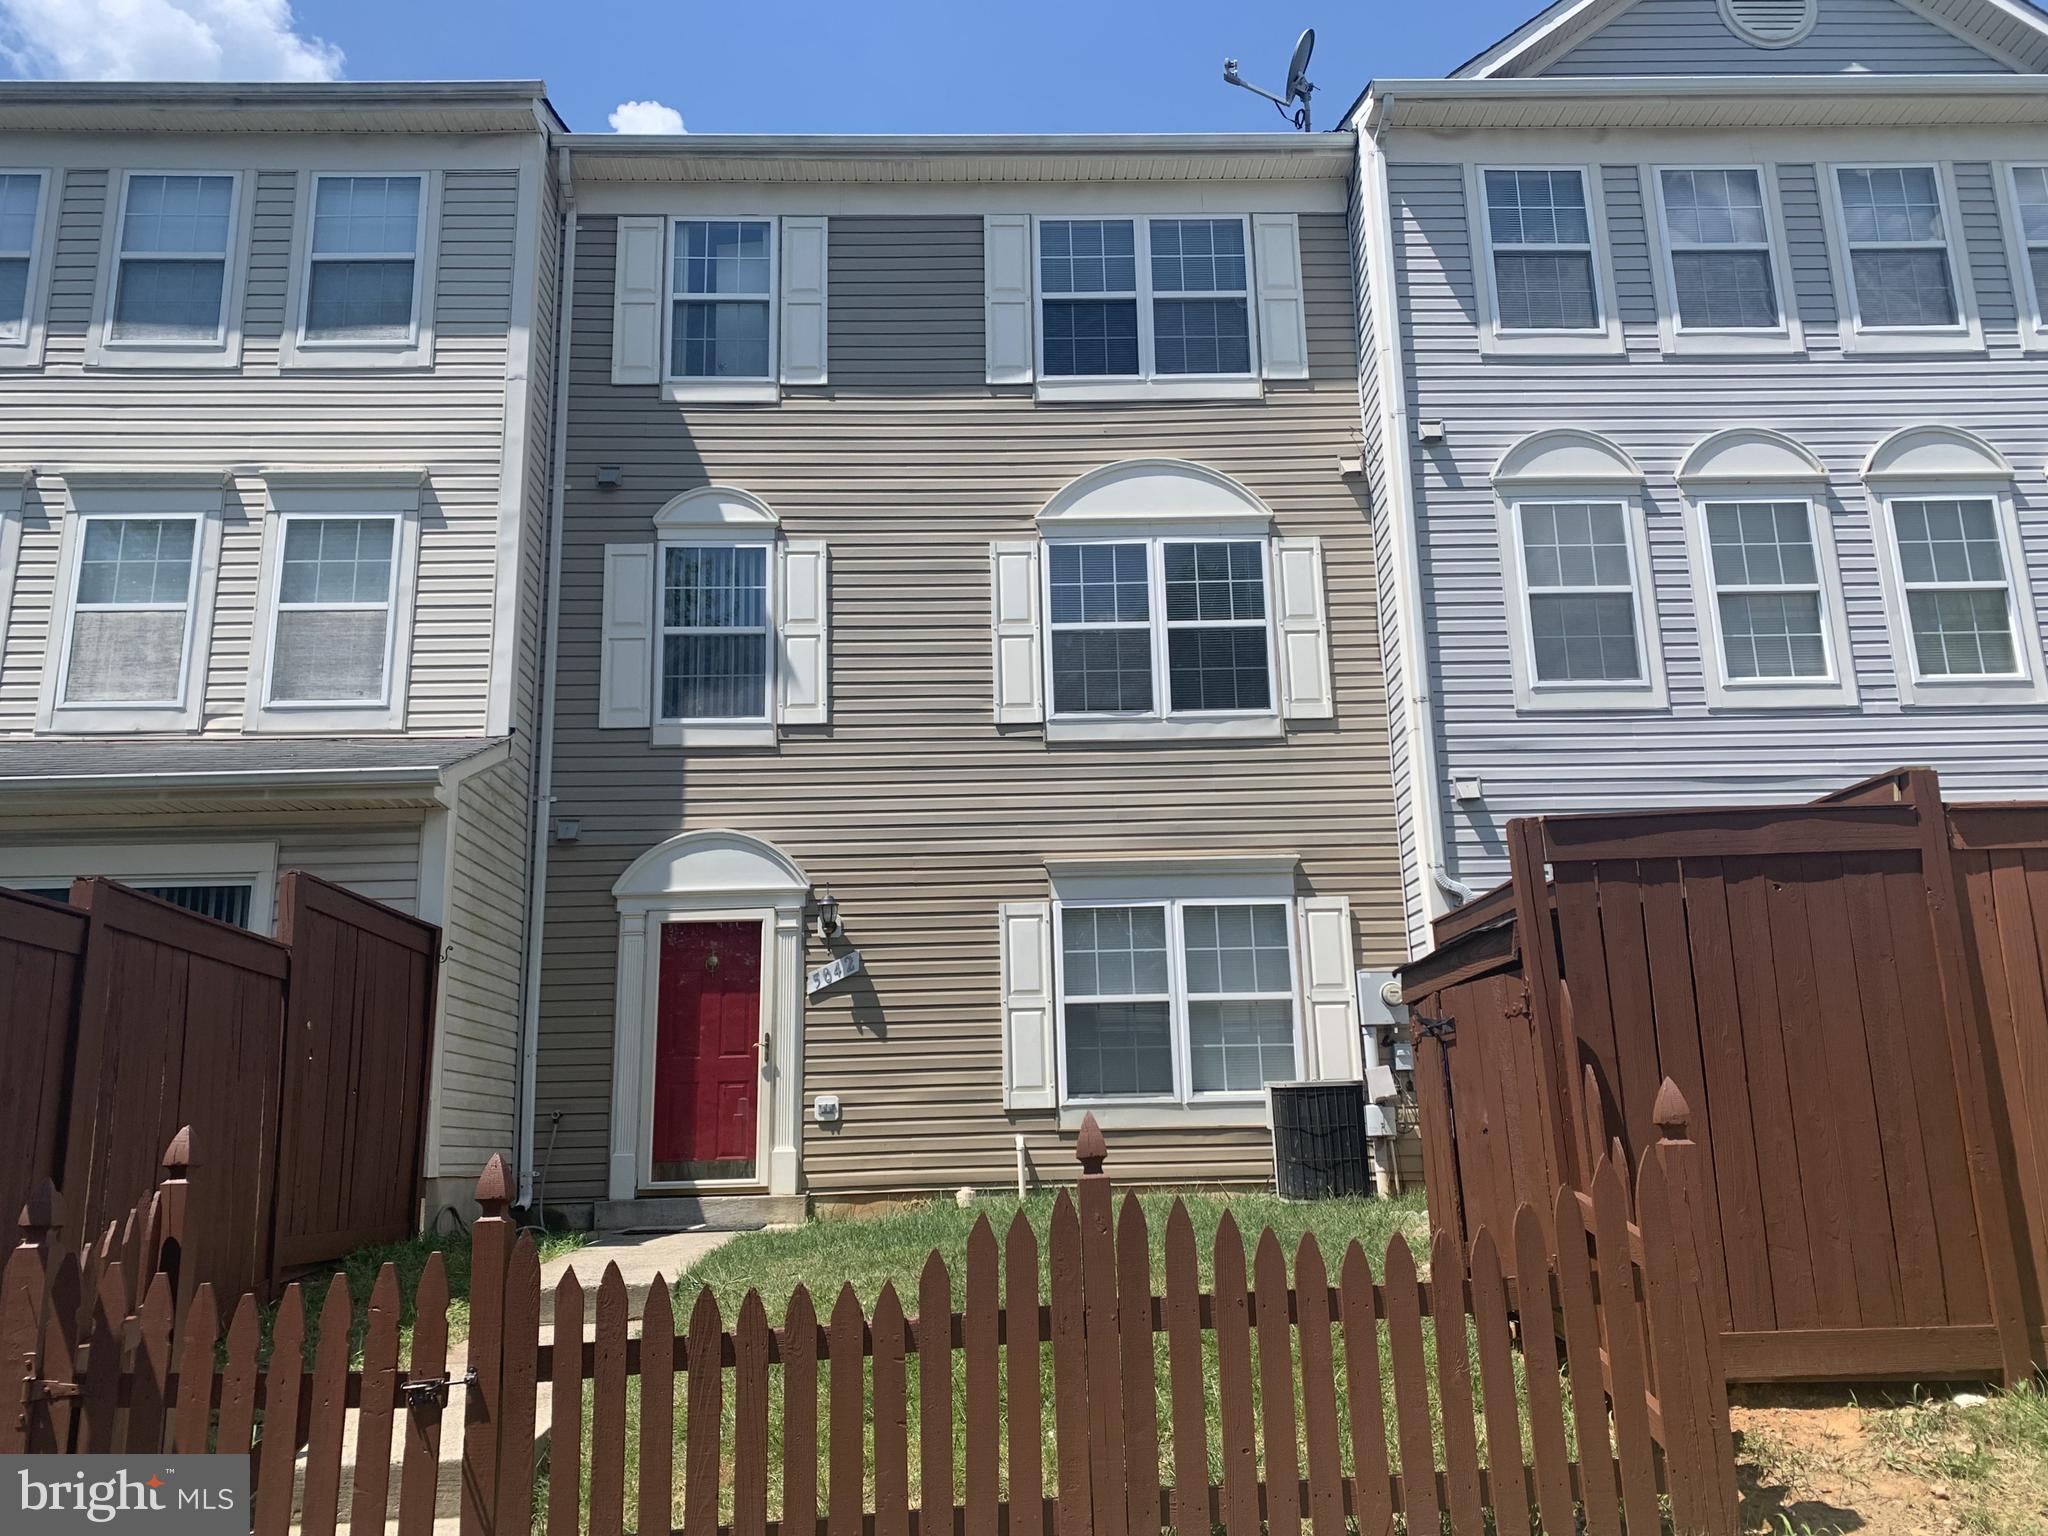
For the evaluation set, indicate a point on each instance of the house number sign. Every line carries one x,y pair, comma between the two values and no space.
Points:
831,975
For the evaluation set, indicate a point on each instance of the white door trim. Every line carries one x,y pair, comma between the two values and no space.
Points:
710,877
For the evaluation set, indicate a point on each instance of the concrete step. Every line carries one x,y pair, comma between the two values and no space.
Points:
714,1213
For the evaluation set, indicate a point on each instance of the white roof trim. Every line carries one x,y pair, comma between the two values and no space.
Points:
1934,452
1566,456
1749,456
1526,39
1166,490
718,507
711,863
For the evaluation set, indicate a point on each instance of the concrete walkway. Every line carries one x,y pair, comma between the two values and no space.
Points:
640,1257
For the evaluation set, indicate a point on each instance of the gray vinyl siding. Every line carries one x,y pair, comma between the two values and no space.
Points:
483,966
1688,37
449,418
918,813
1656,407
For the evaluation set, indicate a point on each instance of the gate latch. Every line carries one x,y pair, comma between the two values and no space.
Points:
433,1389
1443,1031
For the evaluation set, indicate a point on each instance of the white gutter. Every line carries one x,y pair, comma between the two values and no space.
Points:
1697,87
1416,721
544,781
868,146
285,780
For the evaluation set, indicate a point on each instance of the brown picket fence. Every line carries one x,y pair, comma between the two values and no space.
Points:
1618,1421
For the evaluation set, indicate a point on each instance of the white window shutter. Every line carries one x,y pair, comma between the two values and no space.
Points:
1006,278
1336,1051
803,299
1305,691
625,667
1283,327
1030,1072
1019,671
636,301
806,633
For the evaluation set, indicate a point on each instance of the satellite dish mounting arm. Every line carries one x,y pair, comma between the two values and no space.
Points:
1298,86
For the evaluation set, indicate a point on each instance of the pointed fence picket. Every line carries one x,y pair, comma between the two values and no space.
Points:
1620,1332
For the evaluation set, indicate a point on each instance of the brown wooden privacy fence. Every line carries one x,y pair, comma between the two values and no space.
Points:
1620,1409
1849,992
300,1061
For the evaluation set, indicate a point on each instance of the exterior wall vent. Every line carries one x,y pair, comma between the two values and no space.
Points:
1770,23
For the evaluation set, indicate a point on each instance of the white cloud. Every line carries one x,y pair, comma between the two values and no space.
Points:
645,117
162,40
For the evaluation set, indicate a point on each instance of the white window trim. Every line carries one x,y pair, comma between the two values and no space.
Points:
297,350
153,863
1967,334
1162,721
1835,691
102,350
1493,337
1183,1107
1787,335
755,391
1532,697
139,493
26,350
2030,686
320,494
746,731
14,484
2031,302
1147,383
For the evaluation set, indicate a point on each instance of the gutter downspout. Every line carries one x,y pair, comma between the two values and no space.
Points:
1417,722
544,782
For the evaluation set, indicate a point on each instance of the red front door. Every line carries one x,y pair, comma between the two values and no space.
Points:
706,1051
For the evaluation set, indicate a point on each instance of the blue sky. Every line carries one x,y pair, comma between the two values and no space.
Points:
921,66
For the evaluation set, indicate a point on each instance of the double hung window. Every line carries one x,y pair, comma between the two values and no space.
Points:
1152,627
716,629
1768,600
722,282
1719,228
1579,567
331,636
1958,591
128,640
1176,1001
1540,242
1144,298
172,259
362,276
2030,205
1901,268
21,200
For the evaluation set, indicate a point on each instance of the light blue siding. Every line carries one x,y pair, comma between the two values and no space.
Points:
1688,37
1657,407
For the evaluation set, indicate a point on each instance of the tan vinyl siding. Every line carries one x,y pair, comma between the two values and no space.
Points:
483,965
913,807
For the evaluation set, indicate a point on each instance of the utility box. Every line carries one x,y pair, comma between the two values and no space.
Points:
1320,1140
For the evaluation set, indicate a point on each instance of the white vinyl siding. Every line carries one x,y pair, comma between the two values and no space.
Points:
1175,1002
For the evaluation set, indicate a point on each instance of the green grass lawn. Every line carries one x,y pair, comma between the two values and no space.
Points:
868,1253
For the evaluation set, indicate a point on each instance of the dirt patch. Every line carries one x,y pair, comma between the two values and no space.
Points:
1828,1462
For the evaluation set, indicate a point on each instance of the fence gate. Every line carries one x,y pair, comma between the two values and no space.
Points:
359,1015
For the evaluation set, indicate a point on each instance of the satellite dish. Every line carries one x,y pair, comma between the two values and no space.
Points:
1298,87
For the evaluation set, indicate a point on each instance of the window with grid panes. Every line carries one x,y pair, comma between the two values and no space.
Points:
363,258
1720,250
1581,592
331,637
715,632
2030,197
170,276
1897,235
721,292
1540,234
131,609
1767,589
21,195
1958,595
